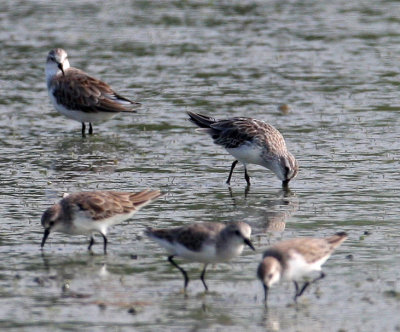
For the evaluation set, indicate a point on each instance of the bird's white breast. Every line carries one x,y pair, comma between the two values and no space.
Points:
84,224
298,267
247,153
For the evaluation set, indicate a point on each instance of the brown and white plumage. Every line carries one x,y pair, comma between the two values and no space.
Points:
79,96
250,141
295,258
84,213
203,242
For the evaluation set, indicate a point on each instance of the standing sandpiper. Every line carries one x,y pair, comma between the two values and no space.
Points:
250,141
203,242
295,258
79,96
86,212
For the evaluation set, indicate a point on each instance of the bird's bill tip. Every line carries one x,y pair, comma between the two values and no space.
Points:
266,288
45,236
60,66
248,242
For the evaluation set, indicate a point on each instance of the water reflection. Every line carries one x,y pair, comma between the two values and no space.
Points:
72,263
266,215
289,318
278,210
246,193
270,320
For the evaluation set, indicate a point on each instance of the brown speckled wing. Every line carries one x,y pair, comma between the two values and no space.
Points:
105,204
234,132
192,236
312,249
87,94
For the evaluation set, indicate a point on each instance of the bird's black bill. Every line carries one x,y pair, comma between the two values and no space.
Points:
248,242
265,293
60,66
45,236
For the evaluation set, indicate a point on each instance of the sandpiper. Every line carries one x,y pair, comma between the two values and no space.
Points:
250,141
84,213
295,258
79,96
203,242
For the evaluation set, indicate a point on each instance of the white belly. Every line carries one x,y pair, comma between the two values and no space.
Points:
84,225
247,154
298,267
79,115
207,254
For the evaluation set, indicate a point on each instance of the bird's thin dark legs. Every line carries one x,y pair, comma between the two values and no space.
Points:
246,176
306,284
301,291
296,285
90,129
230,174
170,259
246,191
321,276
91,243
83,129
105,243
203,274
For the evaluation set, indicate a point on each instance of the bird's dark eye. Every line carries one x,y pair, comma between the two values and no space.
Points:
51,223
270,276
238,233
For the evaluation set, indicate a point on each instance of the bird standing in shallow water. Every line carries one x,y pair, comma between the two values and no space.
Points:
203,242
86,212
79,96
295,258
250,141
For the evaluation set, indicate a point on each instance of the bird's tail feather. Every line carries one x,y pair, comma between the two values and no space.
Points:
203,121
337,239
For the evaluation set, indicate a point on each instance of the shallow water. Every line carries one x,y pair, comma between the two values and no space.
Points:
335,63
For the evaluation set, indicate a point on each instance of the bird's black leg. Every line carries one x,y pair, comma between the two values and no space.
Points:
246,176
246,191
83,129
170,258
91,242
203,274
308,283
299,293
230,174
90,129
105,243
321,276
296,285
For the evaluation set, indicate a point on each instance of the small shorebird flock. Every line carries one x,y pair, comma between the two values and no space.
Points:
86,99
